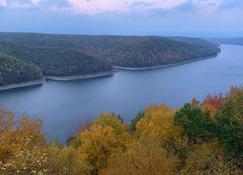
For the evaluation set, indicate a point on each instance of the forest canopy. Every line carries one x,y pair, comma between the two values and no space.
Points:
13,71
197,139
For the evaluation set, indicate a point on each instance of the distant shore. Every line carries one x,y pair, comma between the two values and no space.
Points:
55,78
79,77
96,75
161,66
22,85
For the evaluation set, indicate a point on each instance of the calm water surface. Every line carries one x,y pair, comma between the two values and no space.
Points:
62,105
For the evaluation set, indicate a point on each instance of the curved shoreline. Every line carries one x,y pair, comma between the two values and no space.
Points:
79,77
55,78
22,85
162,66
97,75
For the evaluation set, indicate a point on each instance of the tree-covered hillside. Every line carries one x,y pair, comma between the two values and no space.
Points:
131,51
56,61
67,55
14,71
197,41
152,51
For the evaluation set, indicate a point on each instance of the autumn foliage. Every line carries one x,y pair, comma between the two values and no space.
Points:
196,139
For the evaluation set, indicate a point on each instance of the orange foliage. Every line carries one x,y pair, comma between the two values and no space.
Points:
213,103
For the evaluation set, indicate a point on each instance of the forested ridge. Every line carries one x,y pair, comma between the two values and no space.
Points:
56,61
198,41
129,51
14,71
196,139
152,51
67,55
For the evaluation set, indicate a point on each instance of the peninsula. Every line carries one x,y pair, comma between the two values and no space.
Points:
30,57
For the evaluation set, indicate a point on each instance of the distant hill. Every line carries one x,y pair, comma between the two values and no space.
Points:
129,51
56,61
67,55
197,41
233,41
14,71
152,51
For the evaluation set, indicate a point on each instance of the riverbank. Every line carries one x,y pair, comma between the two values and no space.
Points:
161,66
55,78
97,75
79,77
22,85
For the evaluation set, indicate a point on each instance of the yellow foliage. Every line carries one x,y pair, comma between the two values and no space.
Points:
65,161
113,121
158,123
143,157
208,159
24,161
106,137
22,148
107,147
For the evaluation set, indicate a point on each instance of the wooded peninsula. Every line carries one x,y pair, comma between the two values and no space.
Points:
27,57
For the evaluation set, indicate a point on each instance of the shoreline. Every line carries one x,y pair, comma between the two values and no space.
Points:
79,77
96,75
22,85
55,78
162,66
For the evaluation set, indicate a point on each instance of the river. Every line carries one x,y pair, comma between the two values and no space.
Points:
63,105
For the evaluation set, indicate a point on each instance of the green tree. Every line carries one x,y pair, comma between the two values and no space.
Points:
229,124
134,122
197,125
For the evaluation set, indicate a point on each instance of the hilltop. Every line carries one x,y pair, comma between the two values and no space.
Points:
69,55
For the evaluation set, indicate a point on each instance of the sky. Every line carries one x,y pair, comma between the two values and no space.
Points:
196,18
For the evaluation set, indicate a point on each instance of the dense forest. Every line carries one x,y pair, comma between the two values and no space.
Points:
197,139
129,51
56,61
152,51
13,71
197,41
66,55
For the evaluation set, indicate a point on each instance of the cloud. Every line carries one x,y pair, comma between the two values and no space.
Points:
134,17
215,4
16,4
96,7
3,2
36,2
45,5
92,7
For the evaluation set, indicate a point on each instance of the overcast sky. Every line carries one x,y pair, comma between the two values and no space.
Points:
201,18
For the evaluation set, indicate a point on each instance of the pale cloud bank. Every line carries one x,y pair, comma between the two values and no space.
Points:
131,17
3,2
94,7
20,4
36,2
